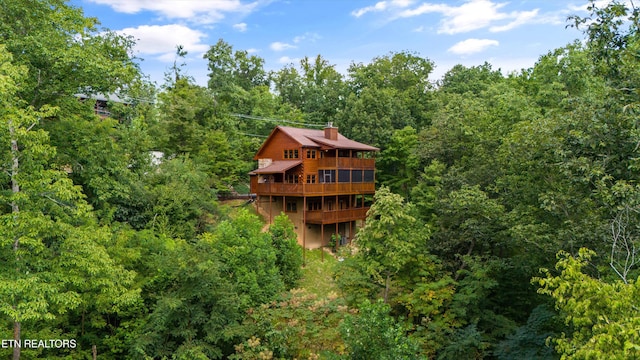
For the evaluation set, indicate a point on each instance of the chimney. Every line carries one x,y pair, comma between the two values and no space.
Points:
331,132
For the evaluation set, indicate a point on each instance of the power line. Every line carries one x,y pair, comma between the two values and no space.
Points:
264,136
274,120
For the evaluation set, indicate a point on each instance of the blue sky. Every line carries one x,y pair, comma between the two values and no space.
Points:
510,35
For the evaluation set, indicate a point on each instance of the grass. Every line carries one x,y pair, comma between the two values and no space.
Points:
317,274
231,207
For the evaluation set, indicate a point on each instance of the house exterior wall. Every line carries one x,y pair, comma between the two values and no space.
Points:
276,144
339,210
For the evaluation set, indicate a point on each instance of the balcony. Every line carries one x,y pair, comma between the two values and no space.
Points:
335,216
287,189
346,163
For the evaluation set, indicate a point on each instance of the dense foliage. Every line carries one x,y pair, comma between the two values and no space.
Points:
112,232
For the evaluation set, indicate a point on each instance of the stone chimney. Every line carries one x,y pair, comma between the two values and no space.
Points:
331,132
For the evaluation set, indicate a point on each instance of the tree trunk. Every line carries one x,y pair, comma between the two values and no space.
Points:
15,210
386,286
16,340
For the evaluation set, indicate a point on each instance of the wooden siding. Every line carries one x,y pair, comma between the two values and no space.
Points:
276,145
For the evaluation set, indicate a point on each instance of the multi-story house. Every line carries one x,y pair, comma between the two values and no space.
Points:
323,181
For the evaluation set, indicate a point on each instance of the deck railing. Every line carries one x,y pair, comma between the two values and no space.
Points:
312,189
328,217
346,163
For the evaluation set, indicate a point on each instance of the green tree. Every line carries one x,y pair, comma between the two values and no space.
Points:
389,239
405,72
373,333
198,302
602,317
288,252
399,163
52,246
63,52
248,258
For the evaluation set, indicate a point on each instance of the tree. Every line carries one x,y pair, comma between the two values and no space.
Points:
404,72
51,243
197,304
372,115
399,163
288,252
248,259
603,317
373,334
63,52
474,80
232,75
389,240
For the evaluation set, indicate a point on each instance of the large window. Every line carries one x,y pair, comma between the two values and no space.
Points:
368,176
292,206
356,176
327,176
291,178
344,176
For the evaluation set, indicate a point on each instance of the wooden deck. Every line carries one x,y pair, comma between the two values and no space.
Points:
327,189
331,217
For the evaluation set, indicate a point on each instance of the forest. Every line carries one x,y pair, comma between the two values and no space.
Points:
506,222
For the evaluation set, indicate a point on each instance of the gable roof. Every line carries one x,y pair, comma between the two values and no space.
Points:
316,138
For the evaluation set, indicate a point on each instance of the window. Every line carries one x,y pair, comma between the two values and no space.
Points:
368,176
291,154
356,176
314,205
343,176
292,206
311,179
329,205
291,178
311,154
327,176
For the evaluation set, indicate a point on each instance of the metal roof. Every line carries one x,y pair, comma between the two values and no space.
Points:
276,167
316,138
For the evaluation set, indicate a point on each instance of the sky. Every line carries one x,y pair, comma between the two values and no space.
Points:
510,35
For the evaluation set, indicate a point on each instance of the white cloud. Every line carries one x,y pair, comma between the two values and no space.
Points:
310,37
280,46
472,46
521,19
161,40
287,60
242,27
194,10
382,6
470,15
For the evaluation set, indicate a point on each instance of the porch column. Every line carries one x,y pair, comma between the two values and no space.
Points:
270,205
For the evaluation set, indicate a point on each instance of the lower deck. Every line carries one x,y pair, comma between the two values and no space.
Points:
317,219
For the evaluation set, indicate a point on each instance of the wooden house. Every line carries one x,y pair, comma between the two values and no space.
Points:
101,107
323,181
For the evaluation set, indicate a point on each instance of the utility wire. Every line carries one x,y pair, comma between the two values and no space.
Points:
274,120
264,136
